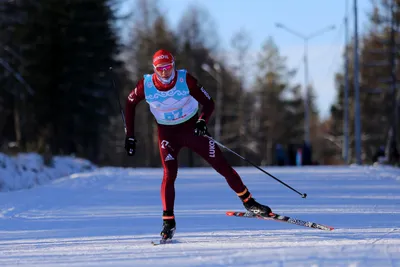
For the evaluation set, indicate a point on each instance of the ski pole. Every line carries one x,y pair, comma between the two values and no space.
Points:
303,195
117,96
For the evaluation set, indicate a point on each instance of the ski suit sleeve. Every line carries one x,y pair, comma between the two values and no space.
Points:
201,95
133,99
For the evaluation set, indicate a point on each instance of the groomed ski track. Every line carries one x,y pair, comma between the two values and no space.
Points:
109,217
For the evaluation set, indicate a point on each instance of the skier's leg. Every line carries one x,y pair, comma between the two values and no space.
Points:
210,151
169,154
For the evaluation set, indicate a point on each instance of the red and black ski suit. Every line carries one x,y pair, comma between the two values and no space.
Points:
171,138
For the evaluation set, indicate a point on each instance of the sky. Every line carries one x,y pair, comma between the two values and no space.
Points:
258,19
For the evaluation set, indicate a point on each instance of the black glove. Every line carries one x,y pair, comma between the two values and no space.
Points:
201,128
130,145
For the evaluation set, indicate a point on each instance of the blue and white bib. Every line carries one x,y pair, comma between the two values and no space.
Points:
173,106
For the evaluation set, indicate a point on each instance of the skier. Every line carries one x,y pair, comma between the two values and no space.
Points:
174,97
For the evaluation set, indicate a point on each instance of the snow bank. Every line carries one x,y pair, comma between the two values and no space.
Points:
28,169
385,172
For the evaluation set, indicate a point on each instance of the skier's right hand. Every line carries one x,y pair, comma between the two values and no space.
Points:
130,145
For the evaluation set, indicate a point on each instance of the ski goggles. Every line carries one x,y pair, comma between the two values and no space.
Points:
164,67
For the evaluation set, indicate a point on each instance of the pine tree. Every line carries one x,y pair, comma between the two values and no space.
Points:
15,89
68,48
376,96
280,108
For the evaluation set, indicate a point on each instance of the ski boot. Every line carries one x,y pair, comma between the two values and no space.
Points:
168,231
253,206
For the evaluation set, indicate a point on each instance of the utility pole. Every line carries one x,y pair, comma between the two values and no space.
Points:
307,124
392,56
357,119
346,91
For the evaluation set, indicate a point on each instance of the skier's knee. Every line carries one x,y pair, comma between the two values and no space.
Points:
170,175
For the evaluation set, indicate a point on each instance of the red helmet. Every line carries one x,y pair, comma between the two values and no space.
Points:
162,57
164,66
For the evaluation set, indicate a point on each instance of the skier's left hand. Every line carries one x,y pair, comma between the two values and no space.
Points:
201,128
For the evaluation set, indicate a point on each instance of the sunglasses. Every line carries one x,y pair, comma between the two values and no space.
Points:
165,67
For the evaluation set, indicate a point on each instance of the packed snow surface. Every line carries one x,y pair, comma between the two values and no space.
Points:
109,216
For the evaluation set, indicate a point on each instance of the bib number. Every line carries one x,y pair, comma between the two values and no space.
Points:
170,116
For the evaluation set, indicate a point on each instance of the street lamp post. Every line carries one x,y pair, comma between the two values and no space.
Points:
216,73
306,39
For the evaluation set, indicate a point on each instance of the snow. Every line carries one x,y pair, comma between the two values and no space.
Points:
109,216
28,169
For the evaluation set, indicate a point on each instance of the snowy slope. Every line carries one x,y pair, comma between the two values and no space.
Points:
109,216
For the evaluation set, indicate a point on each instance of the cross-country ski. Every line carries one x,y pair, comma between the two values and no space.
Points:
280,218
